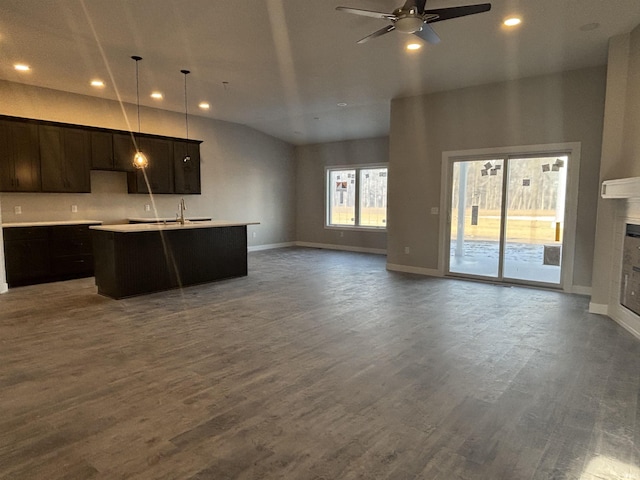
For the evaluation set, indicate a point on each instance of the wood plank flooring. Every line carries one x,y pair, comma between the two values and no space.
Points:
319,365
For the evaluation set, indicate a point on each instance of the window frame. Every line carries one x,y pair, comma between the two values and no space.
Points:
327,196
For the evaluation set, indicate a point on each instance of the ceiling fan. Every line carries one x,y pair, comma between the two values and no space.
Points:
413,18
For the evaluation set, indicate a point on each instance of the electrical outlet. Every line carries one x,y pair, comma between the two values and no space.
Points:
253,234
341,234
147,208
74,208
407,250
17,210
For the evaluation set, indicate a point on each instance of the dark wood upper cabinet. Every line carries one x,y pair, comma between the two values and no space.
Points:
43,156
186,174
19,156
124,149
102,151
65,159
159,173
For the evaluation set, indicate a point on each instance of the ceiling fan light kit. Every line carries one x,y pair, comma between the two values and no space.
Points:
412,18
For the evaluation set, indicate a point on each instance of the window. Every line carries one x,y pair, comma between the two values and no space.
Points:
357,197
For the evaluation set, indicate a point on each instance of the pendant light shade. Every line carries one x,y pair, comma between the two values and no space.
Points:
187,158
139,159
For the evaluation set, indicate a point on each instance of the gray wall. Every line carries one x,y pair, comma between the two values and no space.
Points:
629,166
620,148
310,178
246,175
564,107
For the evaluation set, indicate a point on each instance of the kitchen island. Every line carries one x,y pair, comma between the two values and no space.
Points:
134,259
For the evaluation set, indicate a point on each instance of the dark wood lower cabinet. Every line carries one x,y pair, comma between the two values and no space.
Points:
26,251
47,253
135,263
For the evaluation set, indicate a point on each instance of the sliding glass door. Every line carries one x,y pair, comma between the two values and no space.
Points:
507,218
476,210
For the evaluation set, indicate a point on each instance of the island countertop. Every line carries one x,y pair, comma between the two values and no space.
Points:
158,227
166,219
53,223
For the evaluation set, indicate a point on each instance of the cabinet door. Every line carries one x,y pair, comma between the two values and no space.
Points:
19,157
101,150
123,151
65,159
159,174
27,254
186,173
77,159
51,159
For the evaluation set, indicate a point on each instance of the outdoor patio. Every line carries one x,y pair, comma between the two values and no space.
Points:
522,261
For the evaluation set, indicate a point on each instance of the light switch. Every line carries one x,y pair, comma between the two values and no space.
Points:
435,210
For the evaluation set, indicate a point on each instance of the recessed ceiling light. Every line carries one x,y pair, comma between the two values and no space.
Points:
156,95
204,105
21,67
97,83
342,104
414,46
512,21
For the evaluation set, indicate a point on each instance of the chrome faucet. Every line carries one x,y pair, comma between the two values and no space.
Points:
182,207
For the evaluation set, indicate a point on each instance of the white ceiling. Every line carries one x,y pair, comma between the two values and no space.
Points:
288,63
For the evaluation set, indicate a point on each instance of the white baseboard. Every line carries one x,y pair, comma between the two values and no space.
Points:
598,308
626,319
431,272
579,290
270,246
4,287
345,248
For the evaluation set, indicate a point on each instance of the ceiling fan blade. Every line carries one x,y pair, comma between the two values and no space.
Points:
455,12
428,34
367,13
415,3
377,33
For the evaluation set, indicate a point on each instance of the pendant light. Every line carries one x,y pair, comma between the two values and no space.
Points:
139,159
187,158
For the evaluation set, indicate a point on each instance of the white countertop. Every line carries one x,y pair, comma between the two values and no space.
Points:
166,219
156,227
52,224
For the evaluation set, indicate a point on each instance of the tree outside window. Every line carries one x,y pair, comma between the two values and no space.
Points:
357,197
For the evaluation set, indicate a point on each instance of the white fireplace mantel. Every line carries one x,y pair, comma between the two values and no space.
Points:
621,188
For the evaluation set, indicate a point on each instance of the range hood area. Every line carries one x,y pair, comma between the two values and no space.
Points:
621,188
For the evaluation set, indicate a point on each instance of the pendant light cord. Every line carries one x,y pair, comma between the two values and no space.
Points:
138,96
137,59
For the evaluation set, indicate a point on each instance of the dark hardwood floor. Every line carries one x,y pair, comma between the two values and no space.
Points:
318,365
